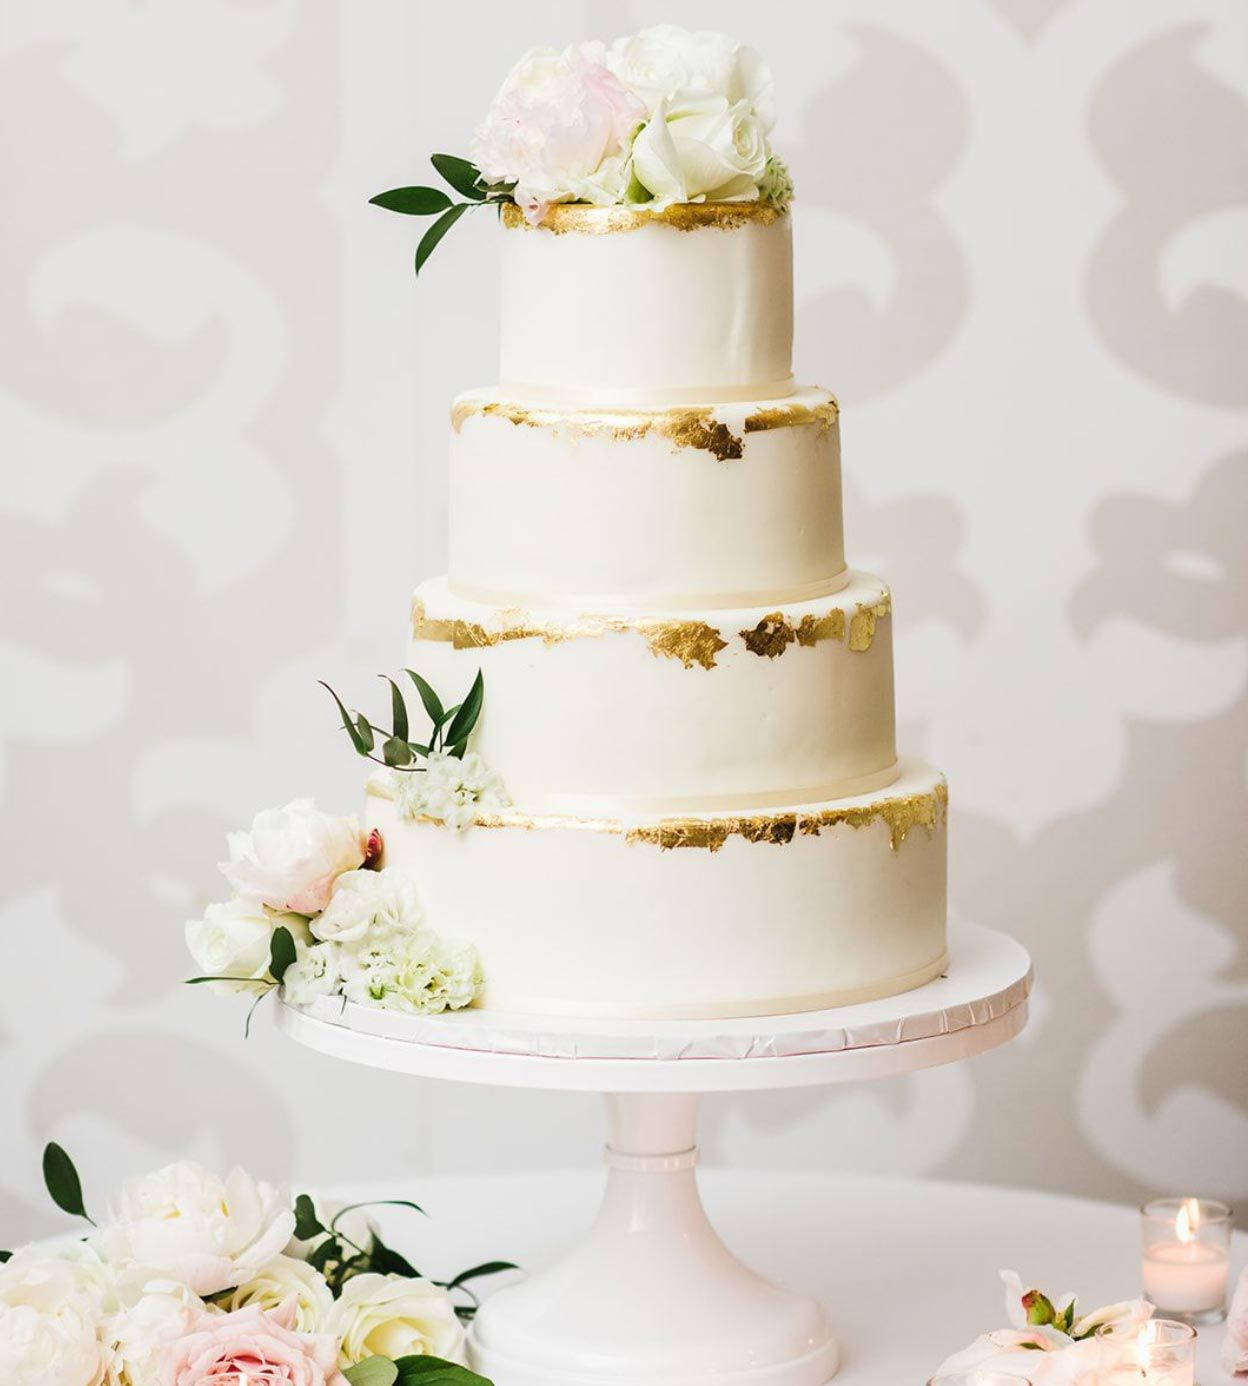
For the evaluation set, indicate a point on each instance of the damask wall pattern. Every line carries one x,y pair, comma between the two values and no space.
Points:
1022,262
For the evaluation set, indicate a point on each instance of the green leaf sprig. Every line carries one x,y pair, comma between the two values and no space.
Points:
412,1371
450,727
464,178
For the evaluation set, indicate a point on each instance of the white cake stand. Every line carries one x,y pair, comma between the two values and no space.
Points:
652,1297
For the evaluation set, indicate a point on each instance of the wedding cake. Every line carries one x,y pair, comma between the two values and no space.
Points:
678,793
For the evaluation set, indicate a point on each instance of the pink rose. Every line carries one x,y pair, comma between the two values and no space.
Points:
292,856
252,1346
557,129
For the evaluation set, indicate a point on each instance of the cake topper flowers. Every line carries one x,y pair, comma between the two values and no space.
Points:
662,116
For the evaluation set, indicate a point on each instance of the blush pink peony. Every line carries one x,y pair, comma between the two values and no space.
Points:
250,1345
558,129
292,856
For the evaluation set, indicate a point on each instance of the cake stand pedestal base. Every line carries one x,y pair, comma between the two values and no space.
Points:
652,1297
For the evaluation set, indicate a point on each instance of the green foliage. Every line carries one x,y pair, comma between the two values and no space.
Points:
281,952
449,727
372,1371
413,202
463,176
63,1184
307,1224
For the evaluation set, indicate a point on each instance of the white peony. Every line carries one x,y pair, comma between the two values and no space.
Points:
314,973
417,973
368,902
188,1224
47,1325
666,61
292,856
395,1316
232,940
557,129
156,1313
288,1281
453,789
1048,1359
700,148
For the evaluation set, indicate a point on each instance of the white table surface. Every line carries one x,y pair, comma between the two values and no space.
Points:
906,1268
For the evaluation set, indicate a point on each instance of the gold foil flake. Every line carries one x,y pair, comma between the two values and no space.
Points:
691,642
687,428
770,637
794,416
584,220
901,814
775,633
862,624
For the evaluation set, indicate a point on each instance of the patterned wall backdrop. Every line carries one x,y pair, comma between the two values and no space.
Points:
1022,259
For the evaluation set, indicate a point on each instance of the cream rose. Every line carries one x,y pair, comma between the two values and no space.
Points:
394,1316
292,856
662,62
47,1325
700,148
288,1281
189,1224
232,941
368,902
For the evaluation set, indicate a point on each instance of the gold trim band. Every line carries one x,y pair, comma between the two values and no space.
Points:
901,814
691,642
586,220
694,427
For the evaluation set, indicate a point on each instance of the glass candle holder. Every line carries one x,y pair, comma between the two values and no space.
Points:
1186,1249
1161,1352
978,1378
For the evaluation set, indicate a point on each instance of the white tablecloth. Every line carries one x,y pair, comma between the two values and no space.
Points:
906,1268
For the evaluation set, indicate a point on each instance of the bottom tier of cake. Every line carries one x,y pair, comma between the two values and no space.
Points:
669,918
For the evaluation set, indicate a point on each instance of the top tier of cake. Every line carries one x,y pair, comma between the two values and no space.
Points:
606,305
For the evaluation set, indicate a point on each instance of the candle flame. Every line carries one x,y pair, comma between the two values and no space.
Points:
1188,1220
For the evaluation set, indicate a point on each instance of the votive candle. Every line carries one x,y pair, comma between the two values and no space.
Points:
1186,1256
1161,1352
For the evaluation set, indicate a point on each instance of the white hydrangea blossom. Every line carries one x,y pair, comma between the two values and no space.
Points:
417,972
451,788
315,972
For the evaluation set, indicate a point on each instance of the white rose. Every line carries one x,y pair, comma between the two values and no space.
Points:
395,1316
661,62
288,1281
700,148
232,940
368,903
453,789
292,856
48,1325
189,1224
315,972
416,973
156,1313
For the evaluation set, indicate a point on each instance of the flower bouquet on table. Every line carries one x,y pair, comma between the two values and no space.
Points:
1048,1343
314,909
660,117
198,1280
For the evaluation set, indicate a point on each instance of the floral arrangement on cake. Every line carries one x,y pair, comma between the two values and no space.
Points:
1047,1342
194,1279
659,117
316,912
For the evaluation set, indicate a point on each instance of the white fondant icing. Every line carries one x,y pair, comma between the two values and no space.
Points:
655,313
582,710
578,921
568,507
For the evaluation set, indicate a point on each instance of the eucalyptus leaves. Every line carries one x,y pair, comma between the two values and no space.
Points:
199,1278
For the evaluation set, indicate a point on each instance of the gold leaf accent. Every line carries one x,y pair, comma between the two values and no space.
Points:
687,428
770,637
775,633
585,220
901,814
794,416
691,642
